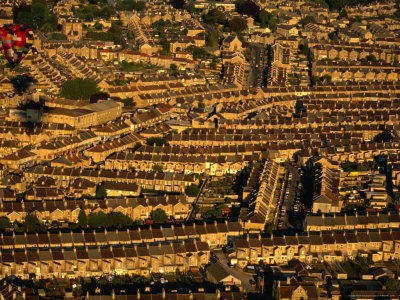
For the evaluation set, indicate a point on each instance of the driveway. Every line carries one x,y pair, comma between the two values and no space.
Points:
244,277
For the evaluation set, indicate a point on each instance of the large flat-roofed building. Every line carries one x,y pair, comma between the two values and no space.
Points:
87,116
79,118
105,110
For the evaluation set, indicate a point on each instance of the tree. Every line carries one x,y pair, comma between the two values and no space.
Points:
58,36
159,216
178,4
4,223
158,168
101,192
212,39
82,219
343,14
98,220
306,20
192,190
393,284
38,15
173,70
99,96
248,7
98,26
131,5
32,224
158,141
268,20
237,24
214,17
79,88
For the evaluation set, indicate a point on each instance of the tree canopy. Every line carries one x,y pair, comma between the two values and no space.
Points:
159,216
38,15
237,24
4,223
101,192
268,20
79,88
131,5
250,8
214,17
306,20
158,168
393,284
158,141
178,4
82,219
212,39
114,220
192,190
32,224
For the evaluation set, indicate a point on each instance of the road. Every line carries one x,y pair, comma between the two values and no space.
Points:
257,66
242,276
292,184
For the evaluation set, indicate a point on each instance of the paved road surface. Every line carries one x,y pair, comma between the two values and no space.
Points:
244,277
257,67
292,193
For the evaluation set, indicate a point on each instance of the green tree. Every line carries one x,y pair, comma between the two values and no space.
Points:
101,192
192,190
4,223
114,220
158,141
58,36
267,19
128,102
237,24
32,224
82,219
79,88
131,5
178,4
159,216
212,38
98,220
393,284
98,26
38,15
214,16
158,168
343,14
173,70
306,20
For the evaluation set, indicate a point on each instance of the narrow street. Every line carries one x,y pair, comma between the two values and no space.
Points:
257,67
244,277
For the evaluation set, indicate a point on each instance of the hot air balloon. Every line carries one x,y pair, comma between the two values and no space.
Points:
15,42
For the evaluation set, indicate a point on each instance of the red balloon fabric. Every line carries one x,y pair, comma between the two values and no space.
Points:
15,42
